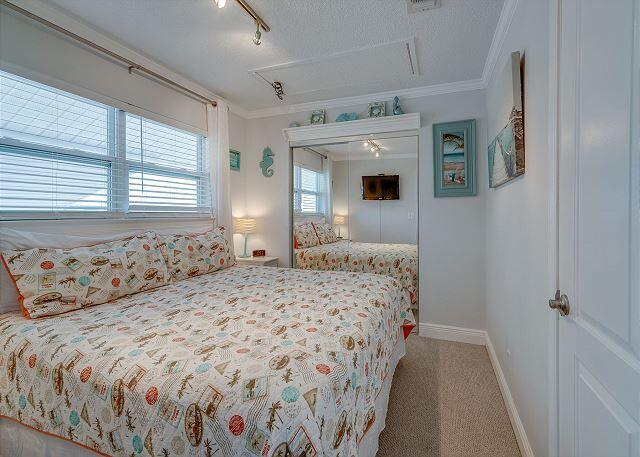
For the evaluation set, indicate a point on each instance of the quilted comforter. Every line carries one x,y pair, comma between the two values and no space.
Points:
399,261
245,361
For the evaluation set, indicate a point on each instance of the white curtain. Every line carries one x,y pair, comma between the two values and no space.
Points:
327,169
218,139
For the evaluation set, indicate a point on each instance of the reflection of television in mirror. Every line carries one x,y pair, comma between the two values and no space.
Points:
381,187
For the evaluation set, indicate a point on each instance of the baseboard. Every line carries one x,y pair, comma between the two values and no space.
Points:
450,333
516,423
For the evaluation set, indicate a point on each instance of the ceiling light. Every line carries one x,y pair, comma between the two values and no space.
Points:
220,3
258,35
377,154
366,143
373,149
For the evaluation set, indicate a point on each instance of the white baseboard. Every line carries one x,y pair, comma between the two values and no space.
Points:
450,333
516,423
481,337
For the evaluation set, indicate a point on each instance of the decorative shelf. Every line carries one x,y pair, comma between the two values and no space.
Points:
369,126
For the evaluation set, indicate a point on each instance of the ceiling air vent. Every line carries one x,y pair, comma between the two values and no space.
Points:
415,6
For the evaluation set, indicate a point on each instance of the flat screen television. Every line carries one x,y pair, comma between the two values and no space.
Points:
381,187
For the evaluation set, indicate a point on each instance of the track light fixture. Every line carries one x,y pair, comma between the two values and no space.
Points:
220,3
372,146
277,87
258,35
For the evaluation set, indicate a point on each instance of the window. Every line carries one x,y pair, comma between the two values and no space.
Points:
64,155
307,197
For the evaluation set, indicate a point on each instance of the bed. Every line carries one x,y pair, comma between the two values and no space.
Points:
243,361
399,261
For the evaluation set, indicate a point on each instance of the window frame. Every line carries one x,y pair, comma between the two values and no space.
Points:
118,169
298,192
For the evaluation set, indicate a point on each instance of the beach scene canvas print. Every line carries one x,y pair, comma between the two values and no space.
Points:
506,151
454,173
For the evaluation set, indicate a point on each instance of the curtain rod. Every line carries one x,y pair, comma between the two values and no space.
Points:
319,153
129,63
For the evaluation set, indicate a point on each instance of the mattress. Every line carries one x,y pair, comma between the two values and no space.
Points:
245,361
399,261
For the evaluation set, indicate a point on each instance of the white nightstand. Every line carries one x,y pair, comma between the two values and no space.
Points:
265,261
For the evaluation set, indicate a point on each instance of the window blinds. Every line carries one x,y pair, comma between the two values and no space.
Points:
306,195
62,155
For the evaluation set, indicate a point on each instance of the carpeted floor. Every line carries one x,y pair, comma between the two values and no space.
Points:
445,402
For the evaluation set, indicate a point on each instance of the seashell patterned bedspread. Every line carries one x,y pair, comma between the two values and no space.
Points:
399,261
244,361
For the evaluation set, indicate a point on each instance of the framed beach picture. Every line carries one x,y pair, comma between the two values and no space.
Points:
454,159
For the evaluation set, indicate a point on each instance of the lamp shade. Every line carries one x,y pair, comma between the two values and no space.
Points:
338,220
244,225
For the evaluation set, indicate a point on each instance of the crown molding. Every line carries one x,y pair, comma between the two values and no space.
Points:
499,36
60,18
369,126
416,92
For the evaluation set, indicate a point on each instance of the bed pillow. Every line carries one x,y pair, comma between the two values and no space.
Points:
190,255
54,281
305,236
325,233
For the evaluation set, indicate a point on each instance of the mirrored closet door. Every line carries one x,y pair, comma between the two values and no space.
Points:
355,208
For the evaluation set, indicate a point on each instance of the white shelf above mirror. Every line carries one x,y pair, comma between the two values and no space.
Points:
371,126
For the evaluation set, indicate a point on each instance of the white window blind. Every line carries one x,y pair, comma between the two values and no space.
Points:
65,156
306,191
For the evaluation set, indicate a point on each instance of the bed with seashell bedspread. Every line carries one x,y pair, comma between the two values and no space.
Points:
244,361
399,261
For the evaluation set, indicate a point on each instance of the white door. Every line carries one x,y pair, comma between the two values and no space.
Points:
599,211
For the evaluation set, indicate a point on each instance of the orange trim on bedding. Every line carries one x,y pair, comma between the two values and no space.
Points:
53,435
25,311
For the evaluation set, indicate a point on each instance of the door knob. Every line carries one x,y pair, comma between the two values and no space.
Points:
561,303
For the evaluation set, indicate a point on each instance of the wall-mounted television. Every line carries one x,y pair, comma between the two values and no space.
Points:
381,187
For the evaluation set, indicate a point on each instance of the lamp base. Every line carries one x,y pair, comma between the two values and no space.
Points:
245,254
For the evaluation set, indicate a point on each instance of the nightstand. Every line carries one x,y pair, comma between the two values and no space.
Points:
265,261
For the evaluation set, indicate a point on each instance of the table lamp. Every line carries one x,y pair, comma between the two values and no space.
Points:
245,226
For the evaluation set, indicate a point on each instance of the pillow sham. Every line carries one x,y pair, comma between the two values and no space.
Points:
54,281
305,236
189,255
325,233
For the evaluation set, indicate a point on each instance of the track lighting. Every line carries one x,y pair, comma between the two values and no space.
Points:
220,3
258,35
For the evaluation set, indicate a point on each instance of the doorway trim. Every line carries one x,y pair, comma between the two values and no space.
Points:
553,217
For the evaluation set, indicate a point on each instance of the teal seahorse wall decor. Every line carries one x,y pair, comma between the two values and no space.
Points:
267,161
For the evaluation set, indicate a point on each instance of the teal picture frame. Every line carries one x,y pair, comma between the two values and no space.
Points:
454,159
234,159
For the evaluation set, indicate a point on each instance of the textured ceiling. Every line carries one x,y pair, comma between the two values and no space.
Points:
213,46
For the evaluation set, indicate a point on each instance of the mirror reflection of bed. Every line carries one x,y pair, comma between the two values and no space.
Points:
356,208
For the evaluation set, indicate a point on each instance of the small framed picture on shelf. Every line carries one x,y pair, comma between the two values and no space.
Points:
377,109
317,117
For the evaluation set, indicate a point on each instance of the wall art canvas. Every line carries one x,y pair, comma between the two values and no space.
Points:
454,155
234,159
506,151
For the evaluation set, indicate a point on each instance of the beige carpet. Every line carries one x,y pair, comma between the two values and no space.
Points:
445,402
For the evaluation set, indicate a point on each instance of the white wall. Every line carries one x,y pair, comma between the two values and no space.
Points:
238,141
517,215
388,221
452,230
